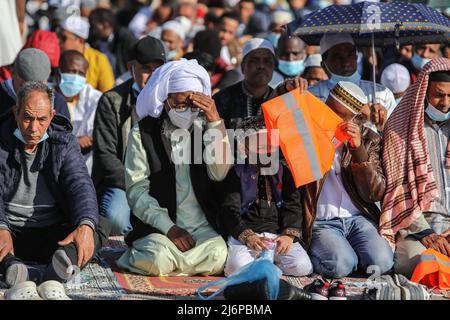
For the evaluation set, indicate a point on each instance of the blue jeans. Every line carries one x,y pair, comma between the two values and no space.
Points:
114,207
339,246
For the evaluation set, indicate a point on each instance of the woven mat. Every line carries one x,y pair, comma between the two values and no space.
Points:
95,282
187,286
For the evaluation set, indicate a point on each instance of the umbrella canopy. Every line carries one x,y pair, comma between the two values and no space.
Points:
390,23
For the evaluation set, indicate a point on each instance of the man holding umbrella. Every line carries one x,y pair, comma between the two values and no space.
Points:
339,60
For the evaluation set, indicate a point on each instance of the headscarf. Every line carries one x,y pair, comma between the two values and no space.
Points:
172,77
410,184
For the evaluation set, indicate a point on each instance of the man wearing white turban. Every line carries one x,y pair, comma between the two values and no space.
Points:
174,197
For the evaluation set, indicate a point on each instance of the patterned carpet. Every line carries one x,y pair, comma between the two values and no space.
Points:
104,281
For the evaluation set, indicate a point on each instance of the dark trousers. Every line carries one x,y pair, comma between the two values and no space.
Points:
38,245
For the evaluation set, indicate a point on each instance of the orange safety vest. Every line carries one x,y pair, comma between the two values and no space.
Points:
433,270
306,128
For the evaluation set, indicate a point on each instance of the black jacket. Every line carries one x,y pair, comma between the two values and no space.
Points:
260,217
111,127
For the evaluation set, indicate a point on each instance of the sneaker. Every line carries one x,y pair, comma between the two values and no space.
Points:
410,290
337,291
318,289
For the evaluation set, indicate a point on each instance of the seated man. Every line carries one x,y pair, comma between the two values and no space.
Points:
340,214
339,60
81,99
48,206
262,206
174,200
115,116
416,210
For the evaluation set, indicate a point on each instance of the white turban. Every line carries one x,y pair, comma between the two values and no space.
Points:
396,78
328,41
257,43
176,27
79,26
172,77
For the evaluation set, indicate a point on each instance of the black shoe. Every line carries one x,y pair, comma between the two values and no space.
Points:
318,289
258,290
337,291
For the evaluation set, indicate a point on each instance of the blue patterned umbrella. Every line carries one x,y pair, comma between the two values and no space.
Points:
390,23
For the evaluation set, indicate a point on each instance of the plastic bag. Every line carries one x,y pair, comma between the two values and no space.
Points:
261,268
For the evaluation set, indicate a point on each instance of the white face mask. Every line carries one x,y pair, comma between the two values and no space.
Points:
436,114
182,120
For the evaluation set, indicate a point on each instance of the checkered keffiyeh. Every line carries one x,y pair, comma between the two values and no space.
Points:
410,184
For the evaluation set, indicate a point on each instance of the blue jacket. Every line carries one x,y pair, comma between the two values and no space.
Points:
60,160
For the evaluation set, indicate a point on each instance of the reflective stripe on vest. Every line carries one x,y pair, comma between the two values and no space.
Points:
306,127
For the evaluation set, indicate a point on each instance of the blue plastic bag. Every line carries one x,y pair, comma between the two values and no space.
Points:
261,268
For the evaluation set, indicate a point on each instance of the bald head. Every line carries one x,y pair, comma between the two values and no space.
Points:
72,61
291,48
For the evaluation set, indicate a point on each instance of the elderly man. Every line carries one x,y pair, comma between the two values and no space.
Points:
48,207
244,98
72,34
340,211
81,99
291,56
339,60
175,200
173,35
116,115
30,65
416,159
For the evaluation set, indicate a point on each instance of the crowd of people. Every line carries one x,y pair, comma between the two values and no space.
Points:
101,104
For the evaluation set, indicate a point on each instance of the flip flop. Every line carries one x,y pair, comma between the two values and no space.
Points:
52,290
23,291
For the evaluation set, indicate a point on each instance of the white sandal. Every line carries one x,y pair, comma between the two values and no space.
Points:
23,291
52,290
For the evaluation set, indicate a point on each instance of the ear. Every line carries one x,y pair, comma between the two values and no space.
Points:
14,110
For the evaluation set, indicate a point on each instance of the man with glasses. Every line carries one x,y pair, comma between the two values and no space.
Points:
175,199
116,115
72,34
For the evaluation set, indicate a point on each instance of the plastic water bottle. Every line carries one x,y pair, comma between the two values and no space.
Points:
269,254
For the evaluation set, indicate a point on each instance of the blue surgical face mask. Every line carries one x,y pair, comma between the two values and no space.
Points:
273,38
436,114
419,62
291,68
335,78
172,54
71,84
19,136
